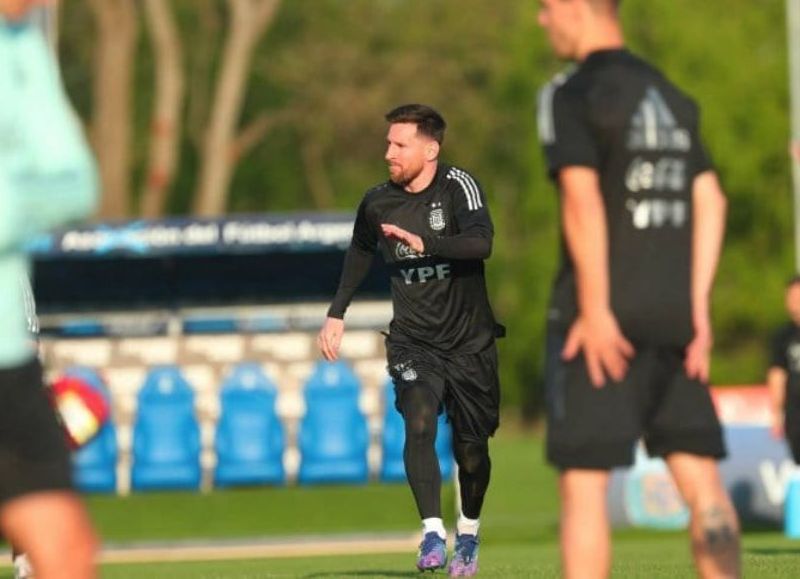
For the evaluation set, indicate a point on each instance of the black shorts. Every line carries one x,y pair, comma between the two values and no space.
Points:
466,385
33,452
597,428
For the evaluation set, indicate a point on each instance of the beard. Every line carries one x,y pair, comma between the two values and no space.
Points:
404,177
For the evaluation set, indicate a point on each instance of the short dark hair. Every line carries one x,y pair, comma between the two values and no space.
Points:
792,281
429,122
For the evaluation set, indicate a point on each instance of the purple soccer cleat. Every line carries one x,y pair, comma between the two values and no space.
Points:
465,558
432,553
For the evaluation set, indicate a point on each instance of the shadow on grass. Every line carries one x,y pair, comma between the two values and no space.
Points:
370,573
774,551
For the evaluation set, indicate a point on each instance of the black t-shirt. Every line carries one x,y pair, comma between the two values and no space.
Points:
617,114
440,297
786,354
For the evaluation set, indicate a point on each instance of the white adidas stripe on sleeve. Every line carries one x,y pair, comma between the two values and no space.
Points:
472,185
469,187
545,115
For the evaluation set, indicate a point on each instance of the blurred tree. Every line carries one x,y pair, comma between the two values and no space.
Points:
113,91
202,31
167,110
223,147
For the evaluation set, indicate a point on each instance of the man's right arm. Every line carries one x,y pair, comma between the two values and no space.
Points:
357,262
777,377
776,385
573,159
596,331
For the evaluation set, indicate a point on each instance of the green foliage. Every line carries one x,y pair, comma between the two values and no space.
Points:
330,69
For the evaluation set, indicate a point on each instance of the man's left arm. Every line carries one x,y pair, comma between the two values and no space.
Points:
709,207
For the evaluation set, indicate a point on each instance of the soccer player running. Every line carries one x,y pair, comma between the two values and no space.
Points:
431,223
783,375
629,335
47,178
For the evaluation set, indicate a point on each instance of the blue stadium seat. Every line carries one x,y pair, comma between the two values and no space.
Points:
210,324
81,328
393,440
266,323
166,436
249,440
333,438
95,464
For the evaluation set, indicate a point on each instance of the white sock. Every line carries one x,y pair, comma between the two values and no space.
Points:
22,566
434,524
467,526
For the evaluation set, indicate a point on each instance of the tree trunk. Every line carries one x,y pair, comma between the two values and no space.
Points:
204,39
111,125
249,19
165,126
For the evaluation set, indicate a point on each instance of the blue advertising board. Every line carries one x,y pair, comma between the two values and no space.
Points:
756,471
255,233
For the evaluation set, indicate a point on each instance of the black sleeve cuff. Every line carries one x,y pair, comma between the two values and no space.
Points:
336,312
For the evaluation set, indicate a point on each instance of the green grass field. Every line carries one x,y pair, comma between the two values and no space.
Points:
521,506
661,556
518,528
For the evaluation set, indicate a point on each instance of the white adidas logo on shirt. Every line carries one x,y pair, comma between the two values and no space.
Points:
653,126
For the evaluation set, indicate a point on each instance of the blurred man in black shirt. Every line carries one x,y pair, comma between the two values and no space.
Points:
783,376
629,334
431,223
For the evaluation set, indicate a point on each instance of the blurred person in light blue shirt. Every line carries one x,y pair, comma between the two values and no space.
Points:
47,175
47,179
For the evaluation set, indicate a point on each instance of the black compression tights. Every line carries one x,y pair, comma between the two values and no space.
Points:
420,406
474,469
